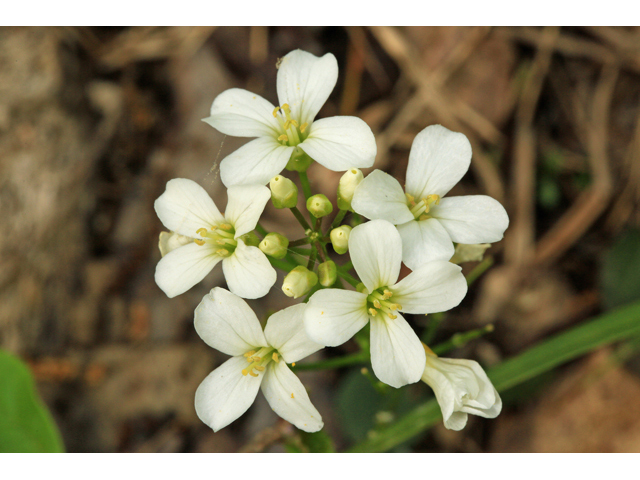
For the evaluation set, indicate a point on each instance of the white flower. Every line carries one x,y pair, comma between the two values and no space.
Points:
461,387
333,316
427,222
186,209
226,323
289,131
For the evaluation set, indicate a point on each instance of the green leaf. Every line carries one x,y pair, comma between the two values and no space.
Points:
613,326
25,424
620,273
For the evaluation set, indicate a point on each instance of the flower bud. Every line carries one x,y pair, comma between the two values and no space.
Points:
250,239
284,193
469,253
274,245
299,281
340,238
347,186
319,205
327,273
171,240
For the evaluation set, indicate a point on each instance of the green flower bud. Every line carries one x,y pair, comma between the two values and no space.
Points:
319,205
469,253
327,272
284,193
347,186
274,245
250,239
340,238
299,281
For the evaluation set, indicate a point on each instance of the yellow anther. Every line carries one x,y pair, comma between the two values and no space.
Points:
373,312
293,122
253,374
225,226
275,357
220,242
255,359
387,294
250,354
259,368
283,138
197,241
303,127
287,124
292,395
286,108
202,232
293,364
411,199
392,316
245,372
222,252
376,304
275,112
433,198
395,306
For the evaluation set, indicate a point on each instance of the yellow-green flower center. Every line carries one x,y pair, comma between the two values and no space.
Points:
378,303
258,360
220,237
420,209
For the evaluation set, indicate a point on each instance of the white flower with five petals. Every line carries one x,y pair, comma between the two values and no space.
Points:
226,323
186,209
288,132
333,316
462,388
427,222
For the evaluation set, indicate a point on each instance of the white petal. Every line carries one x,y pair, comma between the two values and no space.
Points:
285,332
289,399
225,322
397,356
182,268
246,204
434,287
424,241
376,253
443,389
255,163
380,196
240,113
305,82
457,421
169,241
472,219
185,207
226,394
248,272
439,158
334,316
341,143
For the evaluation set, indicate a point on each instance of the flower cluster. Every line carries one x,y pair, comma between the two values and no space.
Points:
417,226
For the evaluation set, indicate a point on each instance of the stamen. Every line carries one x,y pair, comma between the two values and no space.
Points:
293,122
285,108
275,112
253,374
197,241
275,357
287,124
283,138
202,232
256,359
245,372
222,252
376,304
373,312
225,226
249,354
259,368
303,127
387,294
392,316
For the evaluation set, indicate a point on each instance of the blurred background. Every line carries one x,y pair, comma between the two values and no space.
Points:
95,121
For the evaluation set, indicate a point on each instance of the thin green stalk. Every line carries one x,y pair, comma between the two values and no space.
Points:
434,322
353,359
336,221
482,267
300,242
298,214
306,187
320,252
312,259
346,267
348,278
461,339
301,251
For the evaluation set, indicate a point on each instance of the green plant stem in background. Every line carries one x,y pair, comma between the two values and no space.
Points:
461,339
298,214
338,220
479,269
353,359
614,326
306,187
347,277
300,242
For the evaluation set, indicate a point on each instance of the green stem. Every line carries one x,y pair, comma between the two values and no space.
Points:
306,187
353,359
312,259
261,230
346,267
298,214
300,242
281,264
301,251
434,322
348,278
461,339
479,270
320,252
336,221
